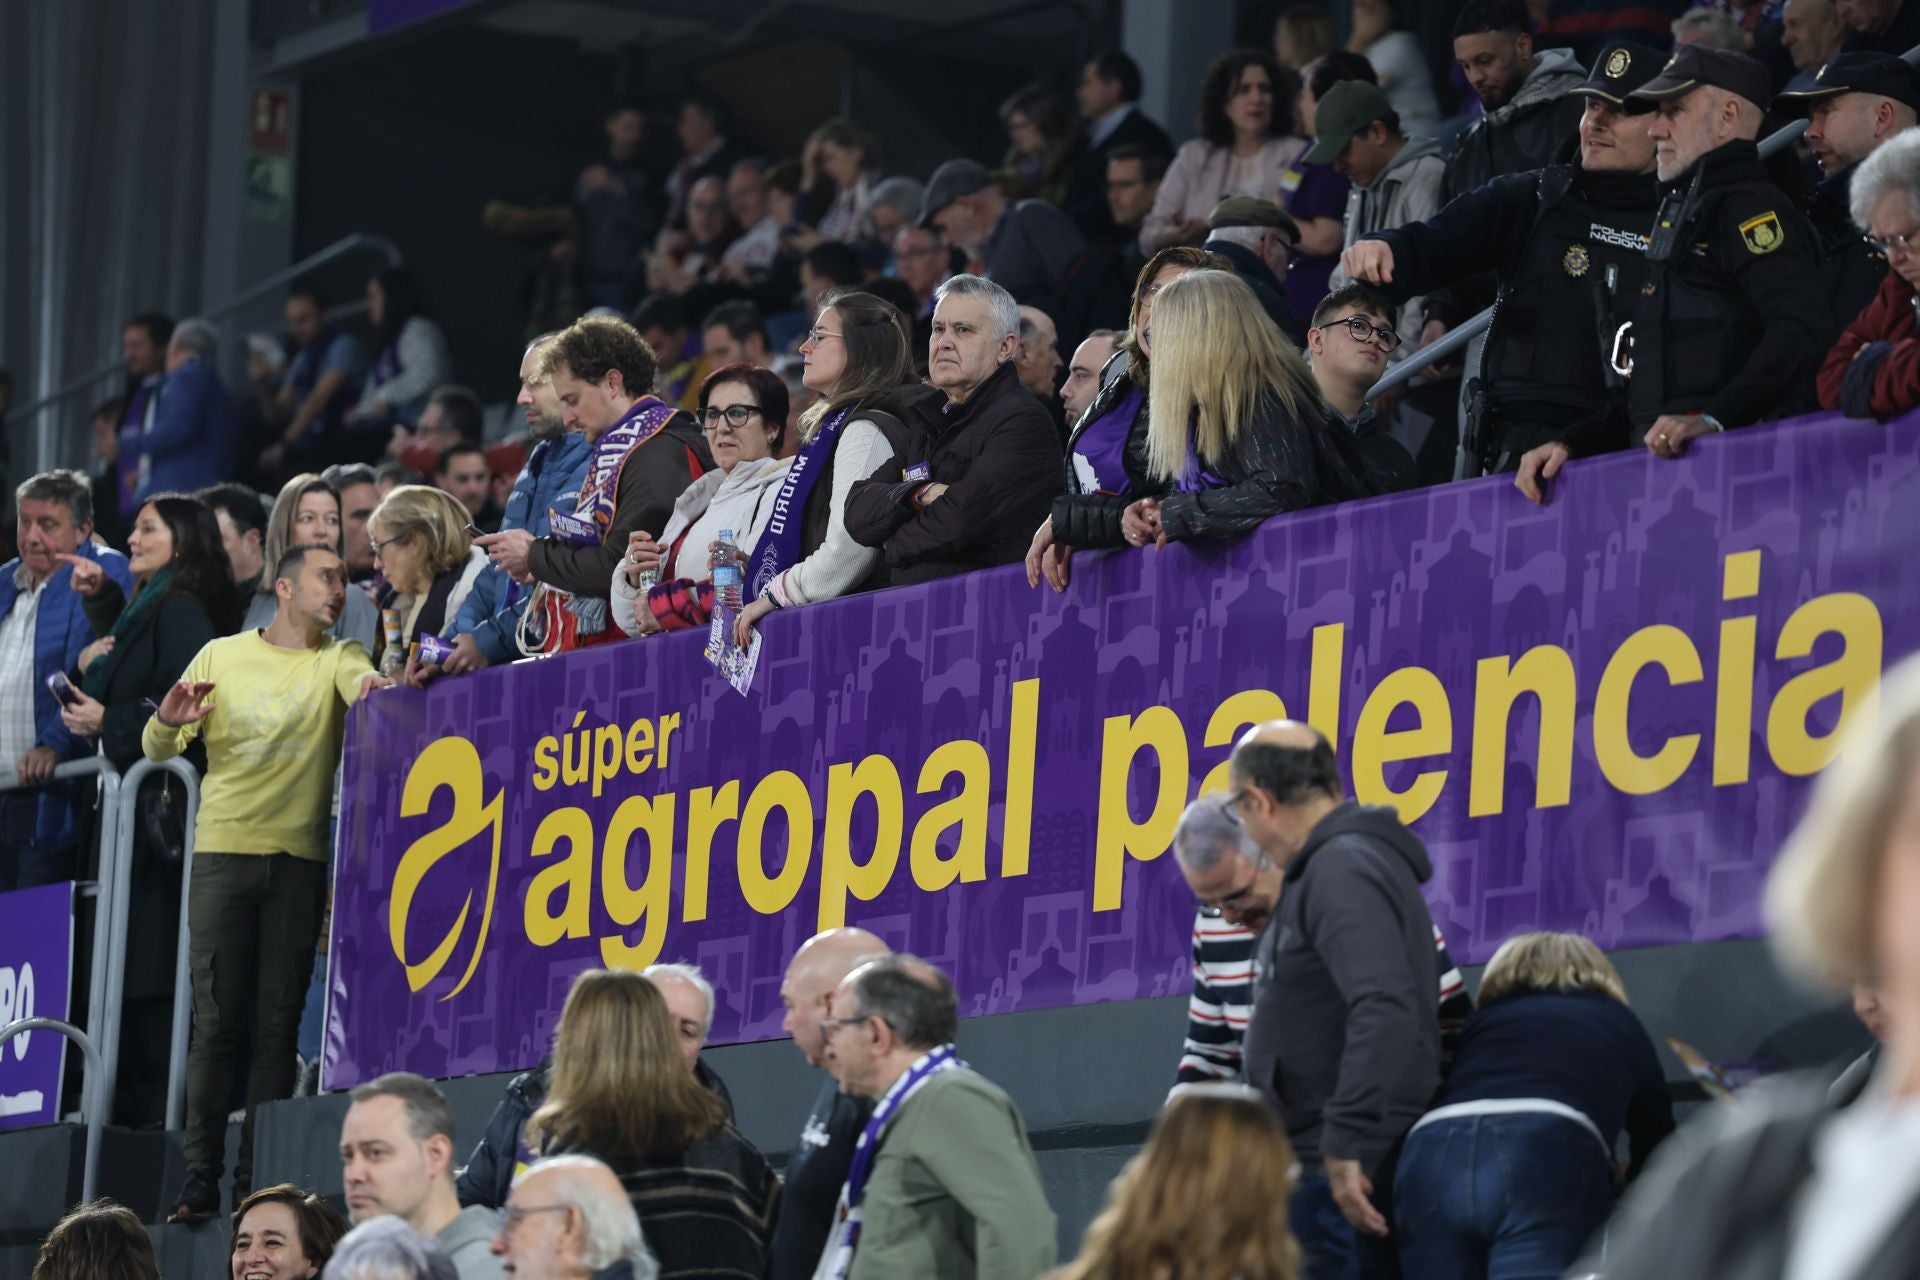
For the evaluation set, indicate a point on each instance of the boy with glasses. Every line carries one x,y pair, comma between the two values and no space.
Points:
1348,348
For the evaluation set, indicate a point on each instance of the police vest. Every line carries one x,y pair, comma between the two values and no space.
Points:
1694,330
1574,283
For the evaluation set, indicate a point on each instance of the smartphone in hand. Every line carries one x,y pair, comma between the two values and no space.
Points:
62,688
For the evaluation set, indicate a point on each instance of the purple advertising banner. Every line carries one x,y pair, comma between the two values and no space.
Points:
1600,715
36,977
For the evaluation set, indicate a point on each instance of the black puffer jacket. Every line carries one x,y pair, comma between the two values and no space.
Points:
1082,518
997,454
1279,463
490,1169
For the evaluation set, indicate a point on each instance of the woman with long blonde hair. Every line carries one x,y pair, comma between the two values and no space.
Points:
1513,1169
1204,1200
620,1091
1239,430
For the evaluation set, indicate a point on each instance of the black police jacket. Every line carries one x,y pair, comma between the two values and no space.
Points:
1853,267
1568,249
1735,325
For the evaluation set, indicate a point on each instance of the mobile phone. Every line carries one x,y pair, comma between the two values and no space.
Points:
63,691
475,531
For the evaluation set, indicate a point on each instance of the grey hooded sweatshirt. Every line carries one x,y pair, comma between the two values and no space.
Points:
1407,190
1344,1035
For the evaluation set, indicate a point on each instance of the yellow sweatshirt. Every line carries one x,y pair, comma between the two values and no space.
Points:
273,739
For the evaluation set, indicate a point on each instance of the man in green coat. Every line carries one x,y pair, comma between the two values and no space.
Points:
943,1182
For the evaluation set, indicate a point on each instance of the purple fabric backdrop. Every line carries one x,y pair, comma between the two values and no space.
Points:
1599,715
36,972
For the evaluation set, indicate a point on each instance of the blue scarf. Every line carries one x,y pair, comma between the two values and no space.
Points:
779,546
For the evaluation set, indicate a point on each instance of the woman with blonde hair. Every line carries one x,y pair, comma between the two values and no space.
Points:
422,548
1239,431
621,1092
857,359
1514,1168
1201,1200
308,511
1788,1181
1107,447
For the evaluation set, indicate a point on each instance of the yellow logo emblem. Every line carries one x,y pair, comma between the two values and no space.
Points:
452,765
1576,261
1763,234
1617,64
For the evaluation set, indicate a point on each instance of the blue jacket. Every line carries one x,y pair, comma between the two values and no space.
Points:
551,479
60,632
194,435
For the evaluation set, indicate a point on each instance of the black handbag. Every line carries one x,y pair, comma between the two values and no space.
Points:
162,814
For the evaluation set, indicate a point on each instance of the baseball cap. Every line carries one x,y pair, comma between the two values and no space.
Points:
1252,211
1694,66
1621,68
949,182
1877,73
1347,109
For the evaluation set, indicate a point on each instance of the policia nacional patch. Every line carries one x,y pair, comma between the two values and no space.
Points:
1763,234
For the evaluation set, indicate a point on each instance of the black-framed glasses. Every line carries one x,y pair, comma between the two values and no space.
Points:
830,1025
1362,328
1228,901
1887,244
734,415
381,544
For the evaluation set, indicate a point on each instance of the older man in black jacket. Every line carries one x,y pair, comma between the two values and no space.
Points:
980,473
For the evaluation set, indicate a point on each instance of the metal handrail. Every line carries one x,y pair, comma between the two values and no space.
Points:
98,1092
129,800
1460,335
338,249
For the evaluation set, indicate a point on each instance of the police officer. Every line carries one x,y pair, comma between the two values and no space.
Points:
1567,243
1732,320
1857,102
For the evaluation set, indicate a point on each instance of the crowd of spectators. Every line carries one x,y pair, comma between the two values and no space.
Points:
866,379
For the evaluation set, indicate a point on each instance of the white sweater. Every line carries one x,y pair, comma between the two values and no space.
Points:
740,500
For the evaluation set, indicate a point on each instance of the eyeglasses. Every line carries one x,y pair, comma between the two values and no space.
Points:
1361,328
1887,244
815,336
382,544
1228,902
830,1025
734,415
510,1216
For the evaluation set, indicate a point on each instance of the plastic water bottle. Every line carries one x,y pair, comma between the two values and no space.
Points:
728,572
393,656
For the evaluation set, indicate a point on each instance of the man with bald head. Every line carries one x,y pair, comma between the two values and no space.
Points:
820,1158
569,1219
1343,1034
943,1185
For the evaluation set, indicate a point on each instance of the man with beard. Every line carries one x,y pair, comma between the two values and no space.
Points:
1567,246
1528,111
1856,102
484,632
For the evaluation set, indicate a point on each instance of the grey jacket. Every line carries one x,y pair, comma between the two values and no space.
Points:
1344,1034
468,1240
1407,190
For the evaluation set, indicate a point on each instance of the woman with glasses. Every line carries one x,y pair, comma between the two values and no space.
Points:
422,549
857,361
664,584
1107,448
308,511
1245,147
621,1092
1238,432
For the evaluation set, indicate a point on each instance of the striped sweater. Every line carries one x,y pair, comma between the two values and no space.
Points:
1223,972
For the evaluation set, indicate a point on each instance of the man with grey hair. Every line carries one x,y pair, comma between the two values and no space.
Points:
195,431
1730,325
1027,247
1256,236
389,1249
1709,27
569,1219
985,461
894,205
44,631
1343,1034
396,1153
943,1182
1810,32
689,998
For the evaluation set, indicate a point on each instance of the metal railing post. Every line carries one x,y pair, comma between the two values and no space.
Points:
96,1093
129,825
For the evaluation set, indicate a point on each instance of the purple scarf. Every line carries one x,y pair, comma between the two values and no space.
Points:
1100,449
1195,477
779,547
